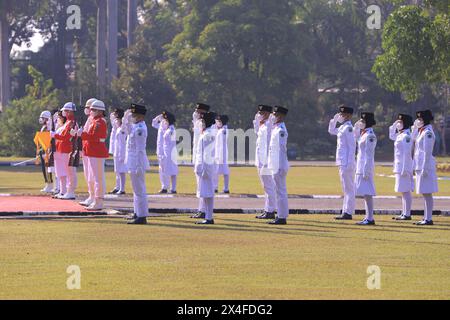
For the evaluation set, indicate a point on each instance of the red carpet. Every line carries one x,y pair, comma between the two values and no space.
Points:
38,204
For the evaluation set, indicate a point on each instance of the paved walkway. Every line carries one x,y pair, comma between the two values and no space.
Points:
251,204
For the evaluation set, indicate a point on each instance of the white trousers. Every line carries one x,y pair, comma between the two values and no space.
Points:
209,207
96,179
86,169
268,184
347,176
279,181
140,201
201,203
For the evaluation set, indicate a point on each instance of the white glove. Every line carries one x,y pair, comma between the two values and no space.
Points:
336,116
80,131
73,132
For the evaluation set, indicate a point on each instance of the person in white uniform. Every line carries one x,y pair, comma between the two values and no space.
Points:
136,160
161,125
263,129
400,133
117,148
425,164
345,158
197,122
365,164
45,120
205,167
222,154
278,164
169,159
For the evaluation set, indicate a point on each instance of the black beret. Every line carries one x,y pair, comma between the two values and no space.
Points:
209,118
138,109
282,110
407,120
169,117
426,115
369,119
344,109
119,113
223,118
265,108
202,106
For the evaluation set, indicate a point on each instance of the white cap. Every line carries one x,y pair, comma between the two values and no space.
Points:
46,115
69,106
98,105
90,102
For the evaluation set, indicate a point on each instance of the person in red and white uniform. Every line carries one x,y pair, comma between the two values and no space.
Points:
87,112
67,175
95,149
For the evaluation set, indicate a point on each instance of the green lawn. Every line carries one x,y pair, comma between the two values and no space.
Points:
238,258
244,180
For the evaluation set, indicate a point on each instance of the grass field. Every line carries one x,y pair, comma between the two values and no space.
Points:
238,258
244,180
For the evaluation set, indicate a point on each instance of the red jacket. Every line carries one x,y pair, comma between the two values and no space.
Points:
62,140
94,139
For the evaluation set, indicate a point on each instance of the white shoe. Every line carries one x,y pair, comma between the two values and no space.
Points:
48,188
87,202
58,196
68,196
97,205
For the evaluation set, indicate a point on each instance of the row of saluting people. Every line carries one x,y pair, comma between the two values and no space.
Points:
413,156
128,147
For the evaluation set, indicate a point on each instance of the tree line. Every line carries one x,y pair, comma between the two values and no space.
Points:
308,55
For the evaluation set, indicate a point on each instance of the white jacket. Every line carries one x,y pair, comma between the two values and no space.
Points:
221,148
169,158
205,155
263,132
423,154
346,144
365,160
278,160
136,153
403,144
120,144
156,123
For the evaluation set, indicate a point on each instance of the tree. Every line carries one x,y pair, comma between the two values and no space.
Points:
16,27
416,44
19,123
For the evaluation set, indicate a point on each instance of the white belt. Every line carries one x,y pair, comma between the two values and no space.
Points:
102,140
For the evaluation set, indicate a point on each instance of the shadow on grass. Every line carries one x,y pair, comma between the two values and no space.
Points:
190,225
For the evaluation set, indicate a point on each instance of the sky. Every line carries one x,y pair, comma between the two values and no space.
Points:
36,43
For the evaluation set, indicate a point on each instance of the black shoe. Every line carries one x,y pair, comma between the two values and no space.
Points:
266,216
162,191
173,192
114,191
278,221
366,222
424,223
199,215
121,193
138,221
227,192
344,216
205,222
216,191
401,218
